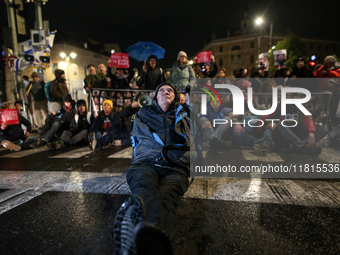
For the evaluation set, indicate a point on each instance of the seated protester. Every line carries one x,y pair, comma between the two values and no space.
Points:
10,133
55,124
106,127
303,136
121,80
248,135
69,105
82,122
212,136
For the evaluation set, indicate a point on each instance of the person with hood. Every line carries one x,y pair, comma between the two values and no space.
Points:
69,104
181,73
106,122
58,87
152,74
158,176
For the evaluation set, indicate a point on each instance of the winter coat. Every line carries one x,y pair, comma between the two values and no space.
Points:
64,118
96,81
152,77
121,81
22,121
182,76
162,138
58,90
37,90
84,121
106,123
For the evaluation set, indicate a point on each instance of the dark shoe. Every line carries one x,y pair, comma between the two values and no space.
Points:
92,139
58,145
38,143
128,216
262,148
10,145
311,150
220,144
151,240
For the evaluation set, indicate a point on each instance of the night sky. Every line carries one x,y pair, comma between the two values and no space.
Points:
182,25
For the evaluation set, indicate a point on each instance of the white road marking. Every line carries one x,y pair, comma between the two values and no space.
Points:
78,153
330,155
270,157
25,153
126,153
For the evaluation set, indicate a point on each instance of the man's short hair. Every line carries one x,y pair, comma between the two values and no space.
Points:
25,77
34,74
90,65
18,102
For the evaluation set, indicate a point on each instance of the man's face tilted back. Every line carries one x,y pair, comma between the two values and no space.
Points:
153,63
165,96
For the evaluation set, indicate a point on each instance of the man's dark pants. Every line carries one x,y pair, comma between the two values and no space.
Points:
161,190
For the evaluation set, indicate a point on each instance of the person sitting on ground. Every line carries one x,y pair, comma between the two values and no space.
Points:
182,99
55,124
11,133
82,121
158,176
105,127
69,104
212,136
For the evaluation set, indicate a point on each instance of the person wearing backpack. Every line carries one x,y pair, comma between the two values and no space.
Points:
36,89
182,74
58,87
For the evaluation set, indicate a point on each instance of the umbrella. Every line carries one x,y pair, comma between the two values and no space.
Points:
142,50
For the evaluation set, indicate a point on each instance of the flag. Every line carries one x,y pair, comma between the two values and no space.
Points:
50,41
27,47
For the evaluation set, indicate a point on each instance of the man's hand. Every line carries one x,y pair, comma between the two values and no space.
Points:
212,58
27,134
238,129
271,126
4,125
195,59
134,104
104,134
206,125
144,68
26,94
89,87
310,140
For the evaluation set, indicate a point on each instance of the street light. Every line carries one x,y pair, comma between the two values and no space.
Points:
191,62
259,21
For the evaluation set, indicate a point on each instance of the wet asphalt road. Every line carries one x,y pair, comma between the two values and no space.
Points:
67,206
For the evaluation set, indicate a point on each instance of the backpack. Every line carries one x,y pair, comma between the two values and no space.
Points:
48,91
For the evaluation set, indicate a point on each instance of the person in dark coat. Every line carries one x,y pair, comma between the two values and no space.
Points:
152,74
158,176
58,87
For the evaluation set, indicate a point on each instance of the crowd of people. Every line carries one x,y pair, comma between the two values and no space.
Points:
160,132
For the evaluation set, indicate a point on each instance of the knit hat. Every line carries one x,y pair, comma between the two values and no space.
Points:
81,102
34,74
330,58
55,107
67,98
180,54
207,64
58,73
173,86
300,58
108,102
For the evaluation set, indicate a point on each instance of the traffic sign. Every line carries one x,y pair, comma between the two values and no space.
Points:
10,62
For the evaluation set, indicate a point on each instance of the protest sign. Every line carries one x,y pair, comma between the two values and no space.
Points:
203,57
10,116
119,60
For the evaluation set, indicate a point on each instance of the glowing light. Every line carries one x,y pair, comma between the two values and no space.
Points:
73,55
258,21
313,57
113,51
273,47
62,65
63,55
191,62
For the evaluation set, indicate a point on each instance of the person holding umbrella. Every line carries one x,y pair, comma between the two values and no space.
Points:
152,74
181,73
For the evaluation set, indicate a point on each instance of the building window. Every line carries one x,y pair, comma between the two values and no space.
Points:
326,47
221,62
236,47
252,44
232,58
239,58
311,46
85,45
252,59
221,48
319,47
